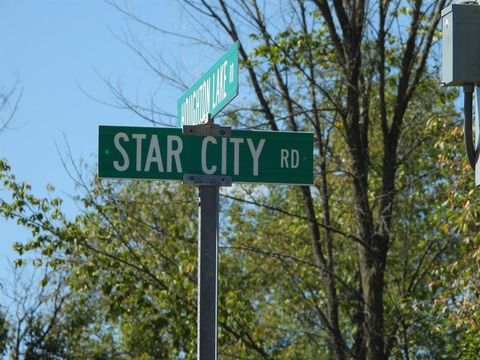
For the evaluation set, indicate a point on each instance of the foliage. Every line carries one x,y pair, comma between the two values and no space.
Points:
154,288
4,328
376,260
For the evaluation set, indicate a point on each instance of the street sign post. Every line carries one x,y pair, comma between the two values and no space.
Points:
207,301
209,156
199,105
209,95
245,156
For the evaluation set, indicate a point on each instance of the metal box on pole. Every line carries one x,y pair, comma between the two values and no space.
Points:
461,44
461,67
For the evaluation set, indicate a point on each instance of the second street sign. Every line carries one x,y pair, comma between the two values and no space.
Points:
166,153
215,89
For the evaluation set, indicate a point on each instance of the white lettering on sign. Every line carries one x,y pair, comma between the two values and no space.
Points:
236,154
284,158
255,153
289,159
231,72
224,156
205,169
210,169
139,138
196,107
154,155
174,147
211,92
219,81
295,158
174,153
119,147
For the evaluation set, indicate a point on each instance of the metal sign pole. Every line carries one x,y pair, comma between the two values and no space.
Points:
477,135
208,188
207,274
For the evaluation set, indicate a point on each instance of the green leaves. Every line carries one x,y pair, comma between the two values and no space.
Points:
290,270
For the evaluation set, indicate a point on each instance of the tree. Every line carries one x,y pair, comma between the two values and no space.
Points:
9,100
322,71
343,269
32,314
4,327
8,107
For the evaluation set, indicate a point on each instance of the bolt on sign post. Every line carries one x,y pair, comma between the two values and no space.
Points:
207,155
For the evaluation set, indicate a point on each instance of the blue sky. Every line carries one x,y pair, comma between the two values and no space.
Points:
52,47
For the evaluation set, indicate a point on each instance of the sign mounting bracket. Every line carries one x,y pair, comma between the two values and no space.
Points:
208,128
196,179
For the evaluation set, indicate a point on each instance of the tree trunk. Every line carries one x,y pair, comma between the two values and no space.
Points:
372,274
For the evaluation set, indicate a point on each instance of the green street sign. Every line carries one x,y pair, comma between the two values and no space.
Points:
215,89
166,153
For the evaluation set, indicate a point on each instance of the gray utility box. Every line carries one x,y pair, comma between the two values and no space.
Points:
461,44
